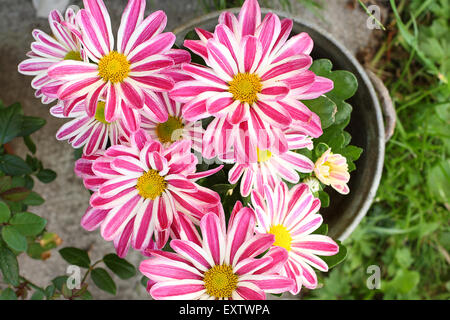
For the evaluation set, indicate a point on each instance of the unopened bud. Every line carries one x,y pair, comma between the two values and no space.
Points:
50,238
313,184
45,255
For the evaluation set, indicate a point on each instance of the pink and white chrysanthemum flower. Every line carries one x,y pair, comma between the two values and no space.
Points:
170,125
92,132
252,84
83,169
145,185
271,167
332,170
220,266
48,50
125,76
291,215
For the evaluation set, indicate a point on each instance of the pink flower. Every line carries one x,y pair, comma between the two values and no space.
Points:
123,76
83,169
222,265
252,84
140,188
270,168
48,50
291,216
93,133
170,125
332,169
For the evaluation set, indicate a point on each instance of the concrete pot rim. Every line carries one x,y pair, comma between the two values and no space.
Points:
363,207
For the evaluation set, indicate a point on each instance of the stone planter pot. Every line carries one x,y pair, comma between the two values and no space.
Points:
366,126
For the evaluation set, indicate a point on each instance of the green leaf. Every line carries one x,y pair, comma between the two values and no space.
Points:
325,108
33,199
345,84
30,144
13,165
14,239
344,111
222,188
10,123
144,281
403,257
18,181
438,180
76,256
35,251
120,267
321,67
34,163
8,294
67,293
320,149
9,266
5,213
403,282
324,199
323,229
31,124
333,137
28,224
38,295
15,207
16,194
351,153
86,295
5,183
77,153
333,261
50,291
58,283
103,280
28,182
46,175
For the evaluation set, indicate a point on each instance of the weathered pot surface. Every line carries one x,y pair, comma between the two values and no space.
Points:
366,125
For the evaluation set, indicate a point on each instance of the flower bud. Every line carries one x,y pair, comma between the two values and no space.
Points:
332,170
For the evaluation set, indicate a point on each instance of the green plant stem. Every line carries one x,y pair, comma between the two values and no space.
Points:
89,270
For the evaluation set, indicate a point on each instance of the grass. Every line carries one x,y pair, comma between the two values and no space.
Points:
406,232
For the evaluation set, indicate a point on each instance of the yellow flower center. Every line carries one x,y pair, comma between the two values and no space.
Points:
170,131
245,87
282,236
151,185
263,155
113,67
73,55
100,112
220,281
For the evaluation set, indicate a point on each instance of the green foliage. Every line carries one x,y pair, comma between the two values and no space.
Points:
335,114
103,280
22,231
122,268
16,182
28,224
75,256
8,294
14,124
9,265
336,259
14,239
